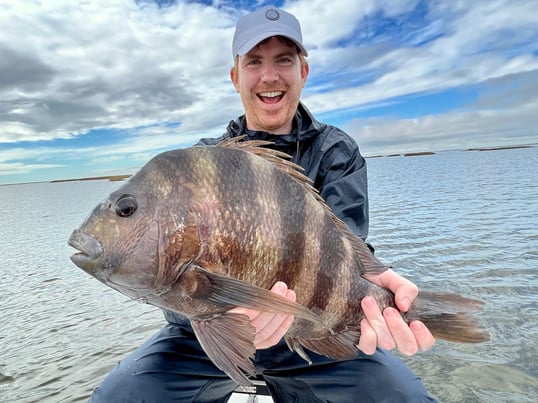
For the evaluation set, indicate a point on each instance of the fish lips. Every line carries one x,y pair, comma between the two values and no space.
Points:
90,251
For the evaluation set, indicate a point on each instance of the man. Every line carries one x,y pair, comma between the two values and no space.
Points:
269,73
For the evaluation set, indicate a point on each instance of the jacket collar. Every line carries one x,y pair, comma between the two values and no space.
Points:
305,126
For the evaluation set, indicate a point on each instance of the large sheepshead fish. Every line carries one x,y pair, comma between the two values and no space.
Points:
204,229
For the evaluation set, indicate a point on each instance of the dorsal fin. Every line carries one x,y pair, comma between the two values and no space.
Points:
282,161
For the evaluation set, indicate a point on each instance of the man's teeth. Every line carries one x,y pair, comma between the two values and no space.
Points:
271,94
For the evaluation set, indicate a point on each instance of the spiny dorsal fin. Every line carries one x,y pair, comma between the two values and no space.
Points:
279,159
282,161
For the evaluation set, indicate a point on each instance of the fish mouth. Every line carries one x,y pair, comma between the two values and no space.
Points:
89,249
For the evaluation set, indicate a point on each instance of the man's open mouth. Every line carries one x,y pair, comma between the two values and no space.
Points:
271,97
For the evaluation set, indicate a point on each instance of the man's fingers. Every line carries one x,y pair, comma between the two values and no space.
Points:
400,331
377,322
279,288
368,339
405,295
271,327
388,330
424,338
266,332
404,290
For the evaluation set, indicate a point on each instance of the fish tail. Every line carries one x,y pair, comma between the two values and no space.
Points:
448,316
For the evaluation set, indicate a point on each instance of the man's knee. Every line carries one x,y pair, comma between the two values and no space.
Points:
393,381
119,386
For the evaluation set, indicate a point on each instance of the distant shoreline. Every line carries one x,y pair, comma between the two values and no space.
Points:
421,153
410,154
112,178
118,178
497,148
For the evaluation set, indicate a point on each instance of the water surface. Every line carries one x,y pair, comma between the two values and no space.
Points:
455,221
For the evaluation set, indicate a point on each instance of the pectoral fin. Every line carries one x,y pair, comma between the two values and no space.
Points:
224,290
228,340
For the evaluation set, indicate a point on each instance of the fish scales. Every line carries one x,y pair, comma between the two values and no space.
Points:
200,230
288,203
283,213
258,215
238,195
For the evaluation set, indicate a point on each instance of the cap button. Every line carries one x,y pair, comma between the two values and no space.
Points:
272,14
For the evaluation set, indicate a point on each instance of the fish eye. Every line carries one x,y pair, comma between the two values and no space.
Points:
126,206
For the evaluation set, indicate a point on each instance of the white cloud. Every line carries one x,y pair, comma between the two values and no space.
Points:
462,56
454,130
100,63
20,168
69,67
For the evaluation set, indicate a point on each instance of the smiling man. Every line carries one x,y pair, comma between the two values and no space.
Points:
269,72
269,79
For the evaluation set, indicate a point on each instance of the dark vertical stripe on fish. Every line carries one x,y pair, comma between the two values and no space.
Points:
292,220
326,272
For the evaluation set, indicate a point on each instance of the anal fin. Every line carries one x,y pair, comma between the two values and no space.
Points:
295,345
340,345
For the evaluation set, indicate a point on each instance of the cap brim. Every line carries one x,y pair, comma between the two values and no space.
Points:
255,39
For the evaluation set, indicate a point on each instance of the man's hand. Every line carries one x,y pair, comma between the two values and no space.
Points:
387,329
380,329
270,327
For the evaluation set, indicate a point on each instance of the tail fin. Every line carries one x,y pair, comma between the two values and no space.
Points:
448,317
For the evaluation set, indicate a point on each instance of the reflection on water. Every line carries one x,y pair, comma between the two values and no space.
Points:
458,221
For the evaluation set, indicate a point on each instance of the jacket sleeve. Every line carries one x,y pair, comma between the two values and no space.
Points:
344,185
209,141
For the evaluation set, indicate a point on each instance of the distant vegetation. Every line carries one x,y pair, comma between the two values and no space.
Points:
497,148
95,178
420,153
414,154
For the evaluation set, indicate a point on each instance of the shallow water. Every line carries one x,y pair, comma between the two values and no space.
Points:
457,221
468,222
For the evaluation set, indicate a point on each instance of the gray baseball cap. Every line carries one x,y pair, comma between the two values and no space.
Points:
253,28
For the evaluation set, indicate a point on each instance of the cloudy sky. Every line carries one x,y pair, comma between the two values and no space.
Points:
95,87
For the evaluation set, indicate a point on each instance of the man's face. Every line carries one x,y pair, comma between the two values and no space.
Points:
269,80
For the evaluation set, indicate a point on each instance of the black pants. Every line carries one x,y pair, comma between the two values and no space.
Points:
172,367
